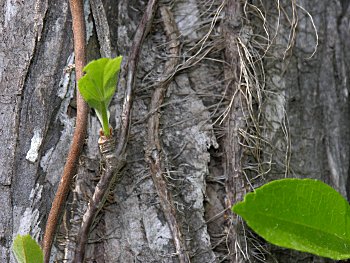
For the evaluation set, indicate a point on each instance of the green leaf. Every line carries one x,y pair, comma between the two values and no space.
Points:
301,214
98,86
27,250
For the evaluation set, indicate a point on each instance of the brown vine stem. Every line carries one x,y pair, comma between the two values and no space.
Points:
127,76
236,186
154,153
114,159
76,147
110,175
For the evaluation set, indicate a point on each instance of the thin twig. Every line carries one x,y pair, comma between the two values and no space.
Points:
153,153
77,11
115,160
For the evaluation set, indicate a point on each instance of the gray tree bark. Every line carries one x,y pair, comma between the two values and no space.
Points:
244,106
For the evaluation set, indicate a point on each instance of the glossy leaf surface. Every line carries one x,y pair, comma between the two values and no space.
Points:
27,250
301,214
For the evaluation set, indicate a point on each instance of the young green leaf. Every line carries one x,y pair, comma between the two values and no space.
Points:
27,250
301,214
98,86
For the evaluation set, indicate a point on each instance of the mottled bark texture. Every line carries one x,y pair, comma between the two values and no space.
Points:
240,108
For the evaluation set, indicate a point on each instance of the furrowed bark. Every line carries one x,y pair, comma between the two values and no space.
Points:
77,11
115,160
154,151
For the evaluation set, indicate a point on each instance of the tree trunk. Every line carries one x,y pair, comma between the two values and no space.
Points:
242,104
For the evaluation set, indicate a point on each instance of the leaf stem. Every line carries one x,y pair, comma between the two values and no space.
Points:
105,124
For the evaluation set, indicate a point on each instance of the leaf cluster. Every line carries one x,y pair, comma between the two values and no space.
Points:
98,86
